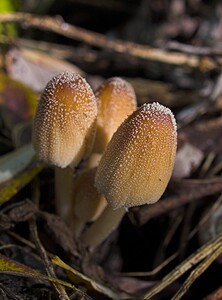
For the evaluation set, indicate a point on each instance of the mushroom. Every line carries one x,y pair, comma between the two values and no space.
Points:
64,130
116,101
88,203
136,165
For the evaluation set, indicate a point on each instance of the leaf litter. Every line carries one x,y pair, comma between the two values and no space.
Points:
187,79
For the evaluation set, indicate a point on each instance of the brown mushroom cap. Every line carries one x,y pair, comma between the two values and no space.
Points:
116,101
64,125
137,164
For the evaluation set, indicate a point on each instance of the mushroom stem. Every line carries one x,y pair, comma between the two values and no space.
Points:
76,225
108,221
87,203
64,192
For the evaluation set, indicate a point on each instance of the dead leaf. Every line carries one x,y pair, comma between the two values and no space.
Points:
188,159
14,268
132,285
36,68
17,102
78,278
59,232
12,187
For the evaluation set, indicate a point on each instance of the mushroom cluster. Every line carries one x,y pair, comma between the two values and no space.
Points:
129,153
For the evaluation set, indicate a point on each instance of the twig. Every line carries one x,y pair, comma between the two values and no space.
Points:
39,247
186,228
3,294
5,291
154,271
205,187
197,272
192,260
206,216
190,49
161,251
48,266
99,40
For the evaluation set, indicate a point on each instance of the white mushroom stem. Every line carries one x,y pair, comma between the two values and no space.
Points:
64,192
103,227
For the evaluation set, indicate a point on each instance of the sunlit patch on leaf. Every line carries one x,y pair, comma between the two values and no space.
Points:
12,267
12,187
78,278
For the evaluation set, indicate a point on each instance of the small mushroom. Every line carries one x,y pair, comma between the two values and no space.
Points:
116,101
88,203
64,124
137,163
64,131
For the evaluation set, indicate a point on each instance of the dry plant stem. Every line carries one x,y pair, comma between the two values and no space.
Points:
206,217
99,40
206,188
190,49
48,266
5,292
160,253
197,272
193,259
103,227
64,180
154,271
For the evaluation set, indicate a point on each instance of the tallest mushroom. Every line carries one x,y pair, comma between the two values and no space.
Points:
64,130
137,164
135,167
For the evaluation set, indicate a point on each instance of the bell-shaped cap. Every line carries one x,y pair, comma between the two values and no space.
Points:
116,101
137,164
64,124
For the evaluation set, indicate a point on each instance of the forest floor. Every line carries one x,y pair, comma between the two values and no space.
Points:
170,52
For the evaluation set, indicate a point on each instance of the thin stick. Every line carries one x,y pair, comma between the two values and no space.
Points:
95,39
4,290
154,271
172,45
192,260
196,273
48,266
203,188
